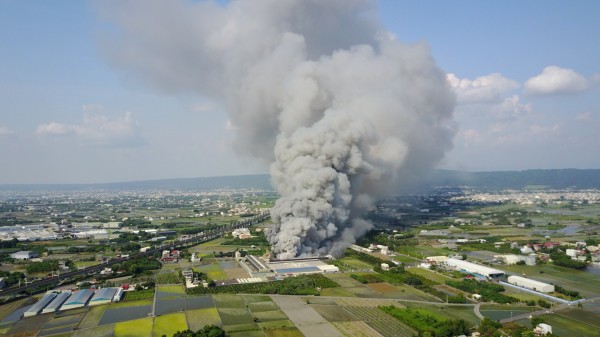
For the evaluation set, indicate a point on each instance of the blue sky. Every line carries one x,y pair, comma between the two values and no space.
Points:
526,74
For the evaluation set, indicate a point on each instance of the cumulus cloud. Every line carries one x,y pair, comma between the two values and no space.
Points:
483,89
511,108
98,130
555,80
5,131
584,116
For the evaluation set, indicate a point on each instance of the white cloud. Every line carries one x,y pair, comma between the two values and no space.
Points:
98,130
556,80
5,131
511,108
489,88
584,116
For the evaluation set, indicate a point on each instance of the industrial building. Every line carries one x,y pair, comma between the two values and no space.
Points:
475,269
103,296
24,255
531,284
301,266
40,305
77,299
56,302
252,265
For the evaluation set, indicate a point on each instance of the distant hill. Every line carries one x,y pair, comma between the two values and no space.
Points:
483,181
257,181
528,179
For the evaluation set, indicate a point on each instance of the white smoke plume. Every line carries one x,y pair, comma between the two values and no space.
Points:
343,111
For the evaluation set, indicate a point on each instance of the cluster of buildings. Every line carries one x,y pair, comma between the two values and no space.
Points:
259,268
170,256
241,233
486,273
59,301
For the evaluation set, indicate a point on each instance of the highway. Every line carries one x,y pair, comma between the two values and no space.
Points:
49,283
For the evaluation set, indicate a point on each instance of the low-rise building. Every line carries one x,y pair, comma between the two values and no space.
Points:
531,284
24,255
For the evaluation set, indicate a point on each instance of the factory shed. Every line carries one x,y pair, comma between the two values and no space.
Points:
473,268
57,302
531,284
118,295
103,296
77,299
41,304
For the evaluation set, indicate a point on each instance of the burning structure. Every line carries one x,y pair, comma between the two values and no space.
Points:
343,111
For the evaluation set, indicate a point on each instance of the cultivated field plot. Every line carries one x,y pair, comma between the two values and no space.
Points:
567,326
61,324
213,270
319,330
92,318
333,313
29,326
253,333
246,328
236,273
169,324
171,289
169,302
356,329
136,328
229,301
197,319
337,292
259,306
499,312
276,324
465,312
366,302
343,280
118,312
430,275
306,319
268,316
235,316
383,323
403,292
582,316
283,332
298,311
100,331
169,278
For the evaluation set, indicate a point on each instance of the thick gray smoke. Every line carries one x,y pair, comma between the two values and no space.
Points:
343,111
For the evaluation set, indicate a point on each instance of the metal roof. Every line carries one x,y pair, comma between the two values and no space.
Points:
57,302
104,294
41,304
79,297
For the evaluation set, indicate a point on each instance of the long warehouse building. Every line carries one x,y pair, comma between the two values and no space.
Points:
531,284
57,302
103,296
41,304
473,268
77,299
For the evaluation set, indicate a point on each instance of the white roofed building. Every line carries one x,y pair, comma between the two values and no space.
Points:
531,284
473,268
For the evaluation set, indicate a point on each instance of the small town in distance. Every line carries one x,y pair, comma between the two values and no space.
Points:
453,261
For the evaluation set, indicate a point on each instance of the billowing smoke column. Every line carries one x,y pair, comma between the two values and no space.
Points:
343,111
